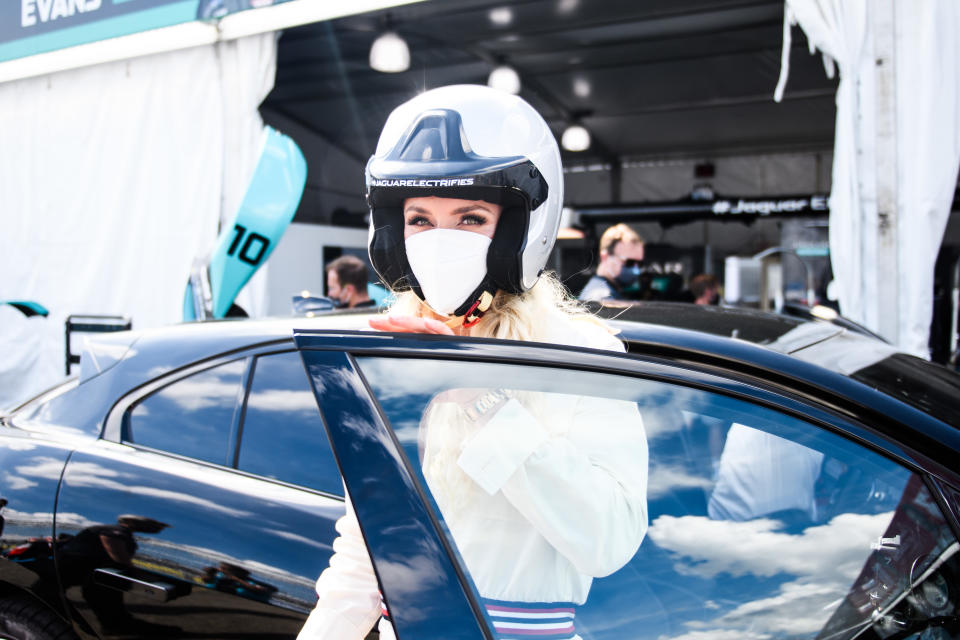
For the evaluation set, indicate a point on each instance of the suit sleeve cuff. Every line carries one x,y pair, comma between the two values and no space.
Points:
501,446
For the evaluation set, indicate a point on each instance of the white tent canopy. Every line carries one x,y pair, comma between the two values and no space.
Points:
119,157
896,152
120,175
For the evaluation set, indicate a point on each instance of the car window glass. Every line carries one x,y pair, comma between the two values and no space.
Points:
191,417
614,507
283,435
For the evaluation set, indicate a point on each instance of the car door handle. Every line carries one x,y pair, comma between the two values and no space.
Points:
116,579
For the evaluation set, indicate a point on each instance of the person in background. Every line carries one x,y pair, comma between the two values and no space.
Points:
705,289
347,283
621,251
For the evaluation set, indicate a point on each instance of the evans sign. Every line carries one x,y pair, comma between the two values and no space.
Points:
34,11
30,27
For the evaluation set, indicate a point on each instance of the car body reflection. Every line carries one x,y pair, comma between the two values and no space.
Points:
199,560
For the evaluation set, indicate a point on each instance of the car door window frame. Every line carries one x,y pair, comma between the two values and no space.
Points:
703,375
453,595
398,405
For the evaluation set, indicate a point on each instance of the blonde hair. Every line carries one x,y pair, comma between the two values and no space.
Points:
528,316
618,233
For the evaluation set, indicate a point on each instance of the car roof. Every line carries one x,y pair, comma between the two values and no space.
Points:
778,332
173,346
725,333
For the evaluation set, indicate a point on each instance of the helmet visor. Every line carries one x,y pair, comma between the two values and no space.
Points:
434,157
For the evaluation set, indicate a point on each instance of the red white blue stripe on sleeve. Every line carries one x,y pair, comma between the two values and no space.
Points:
527,620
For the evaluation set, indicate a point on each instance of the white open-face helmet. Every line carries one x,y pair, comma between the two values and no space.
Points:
474,143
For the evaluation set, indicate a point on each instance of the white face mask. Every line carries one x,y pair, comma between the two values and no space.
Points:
449,264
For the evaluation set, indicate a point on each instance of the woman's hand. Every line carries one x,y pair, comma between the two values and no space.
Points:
410,324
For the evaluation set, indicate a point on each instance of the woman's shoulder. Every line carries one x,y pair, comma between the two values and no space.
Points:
583,331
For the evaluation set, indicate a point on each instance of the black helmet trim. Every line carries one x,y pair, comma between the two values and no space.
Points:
523,178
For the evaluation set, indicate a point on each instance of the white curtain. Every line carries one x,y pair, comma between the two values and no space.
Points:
26,365
113,178
927,73
928,146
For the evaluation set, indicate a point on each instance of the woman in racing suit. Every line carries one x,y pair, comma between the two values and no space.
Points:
541,492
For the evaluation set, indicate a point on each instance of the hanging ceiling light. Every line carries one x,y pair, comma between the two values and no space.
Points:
501,16
390,53
581,87
505,79
575,138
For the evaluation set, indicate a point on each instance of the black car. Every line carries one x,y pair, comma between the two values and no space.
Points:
803,482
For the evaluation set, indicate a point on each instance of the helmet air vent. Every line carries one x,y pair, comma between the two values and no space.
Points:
436,136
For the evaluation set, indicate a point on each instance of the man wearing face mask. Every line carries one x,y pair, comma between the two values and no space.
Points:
347,283
621,251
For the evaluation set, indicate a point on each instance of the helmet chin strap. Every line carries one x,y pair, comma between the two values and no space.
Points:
474,313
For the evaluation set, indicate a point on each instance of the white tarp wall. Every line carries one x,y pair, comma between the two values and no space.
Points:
896,152
113,178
